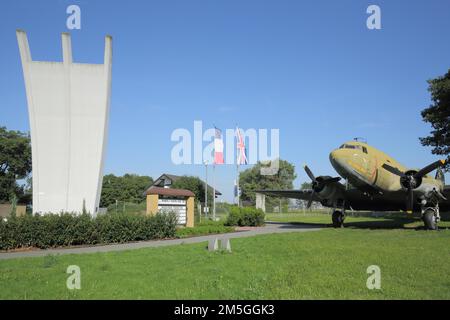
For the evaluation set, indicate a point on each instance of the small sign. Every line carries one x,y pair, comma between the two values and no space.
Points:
172,202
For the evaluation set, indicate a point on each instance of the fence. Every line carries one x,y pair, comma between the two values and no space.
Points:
6,209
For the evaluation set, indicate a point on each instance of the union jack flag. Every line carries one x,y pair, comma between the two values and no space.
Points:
241,157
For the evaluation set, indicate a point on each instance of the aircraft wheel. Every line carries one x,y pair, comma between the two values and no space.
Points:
429,219
338,219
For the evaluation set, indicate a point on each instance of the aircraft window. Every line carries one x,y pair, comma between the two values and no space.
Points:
349,146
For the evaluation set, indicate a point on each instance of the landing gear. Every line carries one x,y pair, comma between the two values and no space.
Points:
430,213
338,219
430,217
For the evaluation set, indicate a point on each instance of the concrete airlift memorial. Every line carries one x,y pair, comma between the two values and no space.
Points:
68,105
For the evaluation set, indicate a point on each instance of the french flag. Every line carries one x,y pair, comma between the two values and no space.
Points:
218,147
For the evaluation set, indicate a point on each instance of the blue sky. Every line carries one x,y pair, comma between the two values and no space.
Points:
309,68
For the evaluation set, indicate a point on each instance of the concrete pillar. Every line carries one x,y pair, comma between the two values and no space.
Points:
152,204
261,201
190,212
68,106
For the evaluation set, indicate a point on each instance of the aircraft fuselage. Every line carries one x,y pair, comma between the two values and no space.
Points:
362,165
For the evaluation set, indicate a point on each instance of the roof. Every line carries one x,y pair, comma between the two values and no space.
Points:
175,178
169,192
170,176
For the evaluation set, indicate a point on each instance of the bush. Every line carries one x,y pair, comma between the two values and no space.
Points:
66,229
246,216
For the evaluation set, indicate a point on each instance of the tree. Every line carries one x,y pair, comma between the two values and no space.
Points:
129,188
306,186
251,180
438,115
196,185
15,162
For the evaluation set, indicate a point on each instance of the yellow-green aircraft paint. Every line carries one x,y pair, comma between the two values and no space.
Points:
375,181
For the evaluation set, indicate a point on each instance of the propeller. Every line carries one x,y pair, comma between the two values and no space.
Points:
412,179
318,184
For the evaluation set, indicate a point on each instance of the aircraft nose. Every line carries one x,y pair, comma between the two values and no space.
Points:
338,160
335,155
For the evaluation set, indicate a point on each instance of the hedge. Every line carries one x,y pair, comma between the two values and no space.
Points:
246,216
68,229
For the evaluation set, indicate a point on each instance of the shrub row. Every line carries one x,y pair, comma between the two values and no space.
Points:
67,229
246,216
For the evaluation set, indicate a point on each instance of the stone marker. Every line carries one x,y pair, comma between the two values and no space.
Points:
213,245
226,244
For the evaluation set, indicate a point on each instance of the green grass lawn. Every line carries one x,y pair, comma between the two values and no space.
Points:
358,220
326,264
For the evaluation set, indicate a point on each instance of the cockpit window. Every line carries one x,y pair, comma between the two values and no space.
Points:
348,146
351,146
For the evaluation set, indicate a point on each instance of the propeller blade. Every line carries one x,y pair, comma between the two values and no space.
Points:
310,200
429,168
409,200
309,173
393,170
331,180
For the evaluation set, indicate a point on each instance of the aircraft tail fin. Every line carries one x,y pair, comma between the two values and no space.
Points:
440,176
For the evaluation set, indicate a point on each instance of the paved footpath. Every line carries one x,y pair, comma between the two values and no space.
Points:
270,227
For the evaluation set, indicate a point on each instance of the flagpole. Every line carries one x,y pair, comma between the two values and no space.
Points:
206,189
218,159
238,196
238,188
214,192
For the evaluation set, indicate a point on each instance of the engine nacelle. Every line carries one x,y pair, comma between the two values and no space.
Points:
323,190
409,181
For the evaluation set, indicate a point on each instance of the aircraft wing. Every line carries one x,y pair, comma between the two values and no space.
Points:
292,194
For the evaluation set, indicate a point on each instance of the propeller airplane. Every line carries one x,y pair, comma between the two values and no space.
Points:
375,182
